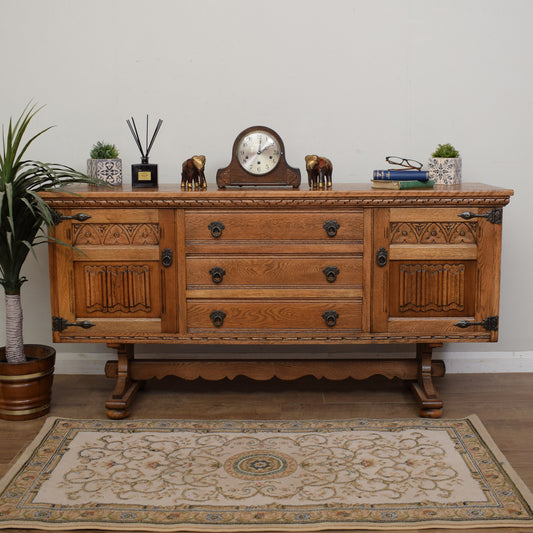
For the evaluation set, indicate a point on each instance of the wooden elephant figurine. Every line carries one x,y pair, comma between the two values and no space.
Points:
319,171
192,173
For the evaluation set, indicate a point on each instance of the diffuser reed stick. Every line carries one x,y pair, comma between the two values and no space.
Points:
135,133
145,174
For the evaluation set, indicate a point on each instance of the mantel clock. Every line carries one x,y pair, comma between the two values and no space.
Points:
258,158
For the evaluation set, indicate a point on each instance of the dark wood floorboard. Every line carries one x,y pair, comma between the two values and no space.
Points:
504,403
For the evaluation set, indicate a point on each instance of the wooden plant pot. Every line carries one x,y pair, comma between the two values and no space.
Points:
26,389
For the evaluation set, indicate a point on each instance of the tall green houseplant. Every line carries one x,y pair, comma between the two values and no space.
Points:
24,216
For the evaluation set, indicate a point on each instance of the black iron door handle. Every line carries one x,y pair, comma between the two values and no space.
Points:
382,257
166,257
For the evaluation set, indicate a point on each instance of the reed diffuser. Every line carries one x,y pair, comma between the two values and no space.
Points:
145,173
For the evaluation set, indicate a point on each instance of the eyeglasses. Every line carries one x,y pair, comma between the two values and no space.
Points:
404,162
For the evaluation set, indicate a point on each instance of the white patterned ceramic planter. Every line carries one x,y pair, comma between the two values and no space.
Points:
445,170
109,170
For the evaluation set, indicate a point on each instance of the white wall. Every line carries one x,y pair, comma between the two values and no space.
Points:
351,79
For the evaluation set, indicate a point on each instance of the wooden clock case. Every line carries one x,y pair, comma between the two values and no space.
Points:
234,174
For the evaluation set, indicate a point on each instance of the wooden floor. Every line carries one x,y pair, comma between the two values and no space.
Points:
504,402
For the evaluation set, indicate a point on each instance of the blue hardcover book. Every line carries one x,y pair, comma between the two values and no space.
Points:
397,175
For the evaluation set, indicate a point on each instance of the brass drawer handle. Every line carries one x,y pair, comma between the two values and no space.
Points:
331,227
331,273
217,317
217,274
216,229
331,318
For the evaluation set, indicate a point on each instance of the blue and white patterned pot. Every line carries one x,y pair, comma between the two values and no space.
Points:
445,170
109,170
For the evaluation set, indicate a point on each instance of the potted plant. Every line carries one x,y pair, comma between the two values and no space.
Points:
26,371
444,165
105,164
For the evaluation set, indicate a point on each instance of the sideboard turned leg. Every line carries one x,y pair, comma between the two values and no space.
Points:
117,405
424,390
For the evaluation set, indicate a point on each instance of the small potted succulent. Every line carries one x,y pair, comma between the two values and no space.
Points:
105,164
444,165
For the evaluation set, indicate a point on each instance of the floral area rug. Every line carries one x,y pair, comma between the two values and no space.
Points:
182,475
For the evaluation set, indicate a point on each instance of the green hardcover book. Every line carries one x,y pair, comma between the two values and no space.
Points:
403,184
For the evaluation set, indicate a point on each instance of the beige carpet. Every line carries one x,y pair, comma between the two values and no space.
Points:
181,475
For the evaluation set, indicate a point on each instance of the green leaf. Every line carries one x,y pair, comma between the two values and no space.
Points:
445,150
30,248
24,215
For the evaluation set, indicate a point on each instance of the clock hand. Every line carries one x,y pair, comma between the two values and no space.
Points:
265,148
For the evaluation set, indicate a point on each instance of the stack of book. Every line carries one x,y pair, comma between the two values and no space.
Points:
401,179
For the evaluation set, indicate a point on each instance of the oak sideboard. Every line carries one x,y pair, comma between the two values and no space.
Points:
278,266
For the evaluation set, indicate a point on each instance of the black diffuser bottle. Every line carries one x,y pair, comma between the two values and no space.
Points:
145,173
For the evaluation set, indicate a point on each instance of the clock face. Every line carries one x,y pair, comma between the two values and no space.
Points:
258,152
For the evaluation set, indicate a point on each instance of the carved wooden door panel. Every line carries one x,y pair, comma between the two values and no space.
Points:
119,277
436,271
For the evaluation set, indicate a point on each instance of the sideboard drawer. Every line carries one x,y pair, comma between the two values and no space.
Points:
116,227
274,271
223,225
299,314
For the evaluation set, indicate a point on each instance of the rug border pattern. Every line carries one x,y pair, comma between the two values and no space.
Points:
510,501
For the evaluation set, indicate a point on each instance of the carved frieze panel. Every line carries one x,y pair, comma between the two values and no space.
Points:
116,234
117,288
433,232
190,201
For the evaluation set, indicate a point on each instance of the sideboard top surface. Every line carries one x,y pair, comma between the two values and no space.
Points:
348,194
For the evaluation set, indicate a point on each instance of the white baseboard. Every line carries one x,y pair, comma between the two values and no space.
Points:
456,362
488,362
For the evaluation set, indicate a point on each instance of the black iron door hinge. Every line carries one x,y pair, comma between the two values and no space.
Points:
494,216
490,323
58,217
60,324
